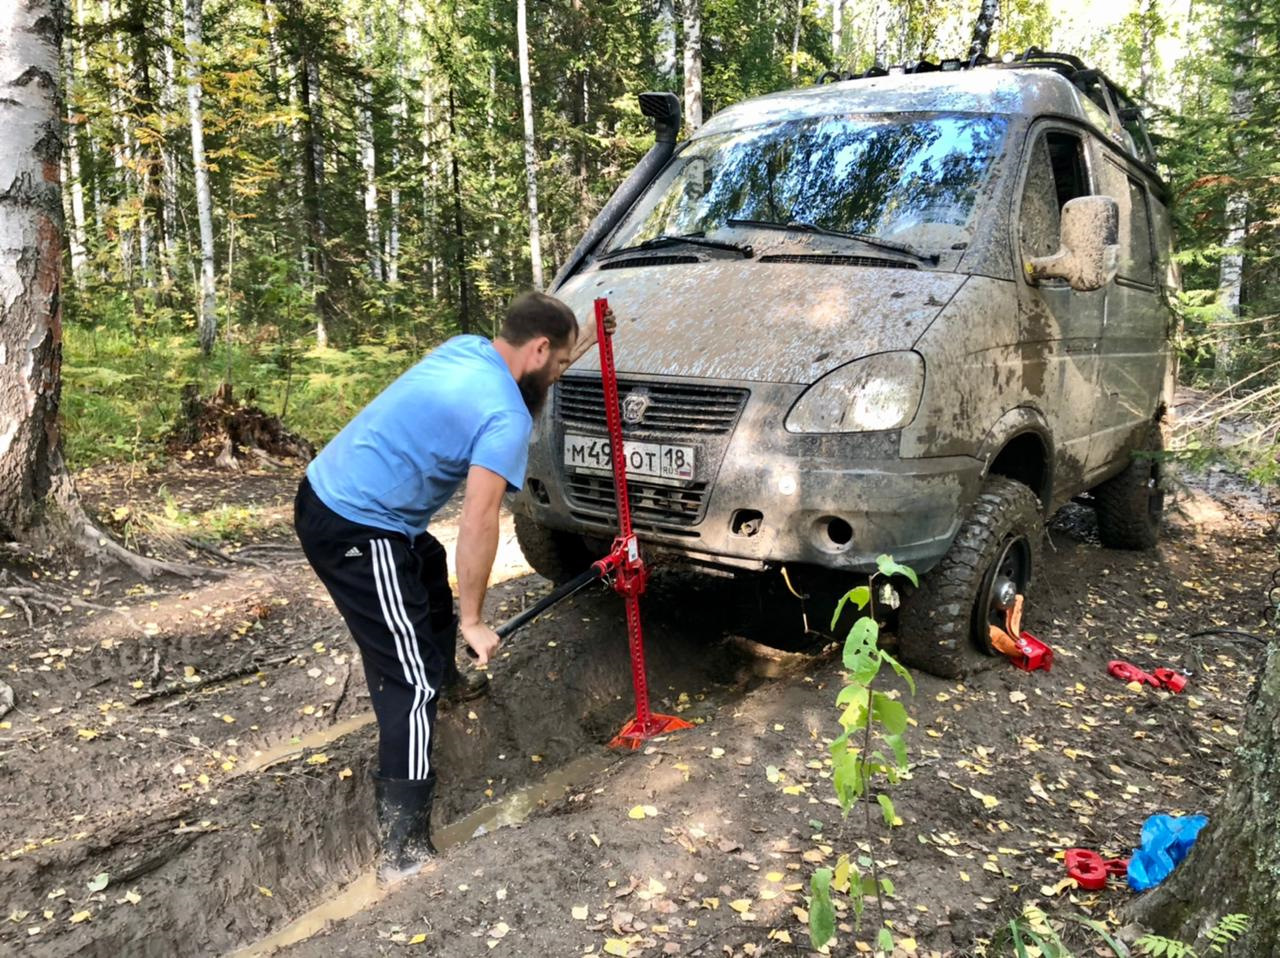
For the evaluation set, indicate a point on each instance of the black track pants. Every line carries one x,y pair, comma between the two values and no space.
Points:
395,598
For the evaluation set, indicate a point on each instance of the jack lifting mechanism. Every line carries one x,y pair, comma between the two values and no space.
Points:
623,567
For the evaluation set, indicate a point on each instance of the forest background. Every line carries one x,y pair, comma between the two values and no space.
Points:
300,198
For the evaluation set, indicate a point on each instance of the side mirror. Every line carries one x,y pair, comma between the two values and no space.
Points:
1090,250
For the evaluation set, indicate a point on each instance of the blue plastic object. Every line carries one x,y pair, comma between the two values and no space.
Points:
1166,839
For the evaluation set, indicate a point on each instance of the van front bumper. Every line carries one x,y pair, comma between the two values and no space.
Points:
775,497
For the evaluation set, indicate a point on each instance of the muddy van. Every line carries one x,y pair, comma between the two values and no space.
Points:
909,313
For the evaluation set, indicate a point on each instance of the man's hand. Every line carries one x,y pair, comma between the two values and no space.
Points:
587,338
482,640
610,321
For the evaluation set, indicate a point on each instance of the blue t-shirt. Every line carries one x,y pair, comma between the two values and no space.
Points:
401,458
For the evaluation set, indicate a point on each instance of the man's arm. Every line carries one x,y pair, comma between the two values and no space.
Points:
587,337
477,546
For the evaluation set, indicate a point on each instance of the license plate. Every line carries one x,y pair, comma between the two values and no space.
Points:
649,459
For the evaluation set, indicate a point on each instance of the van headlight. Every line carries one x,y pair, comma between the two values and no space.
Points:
866,395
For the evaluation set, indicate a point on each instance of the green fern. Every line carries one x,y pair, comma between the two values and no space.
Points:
1158,946
1228,929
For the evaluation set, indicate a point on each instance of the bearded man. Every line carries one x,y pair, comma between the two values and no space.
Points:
362,511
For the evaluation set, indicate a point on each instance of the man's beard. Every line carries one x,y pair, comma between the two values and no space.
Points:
533,389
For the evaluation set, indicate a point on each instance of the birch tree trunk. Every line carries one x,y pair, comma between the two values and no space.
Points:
982,28
1232,868
398,113
169,168
530,156
313,187
692,64
368,157
193,24
664,58
459,237
795,40
1231,268
30,259
837,29
75,186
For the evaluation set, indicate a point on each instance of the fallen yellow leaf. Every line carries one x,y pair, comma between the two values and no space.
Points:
418,939
580,912
80,916
617,946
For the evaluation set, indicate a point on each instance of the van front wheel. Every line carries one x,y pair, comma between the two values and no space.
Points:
992,558
553,554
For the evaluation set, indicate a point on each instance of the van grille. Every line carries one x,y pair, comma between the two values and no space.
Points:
658,504
673,407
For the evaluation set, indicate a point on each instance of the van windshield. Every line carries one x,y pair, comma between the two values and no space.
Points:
909,179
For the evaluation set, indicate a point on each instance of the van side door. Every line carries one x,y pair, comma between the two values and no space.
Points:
1059,328
1135,330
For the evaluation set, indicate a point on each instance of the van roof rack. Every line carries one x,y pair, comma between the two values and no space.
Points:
1126,121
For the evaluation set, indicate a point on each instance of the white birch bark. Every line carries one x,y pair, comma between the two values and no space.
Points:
795,40
1231,267
30,257
75,191
193,24
368,156
168,162
664,59
837,29
530,157
398,113
692,64
431,171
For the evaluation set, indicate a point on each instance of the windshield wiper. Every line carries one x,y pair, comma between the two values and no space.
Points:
795,226
692,239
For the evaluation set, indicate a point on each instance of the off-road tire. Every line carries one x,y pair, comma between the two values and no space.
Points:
1129,508
936,631
554,555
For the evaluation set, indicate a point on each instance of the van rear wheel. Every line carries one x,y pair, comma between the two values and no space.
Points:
1131,504
554,554
944,625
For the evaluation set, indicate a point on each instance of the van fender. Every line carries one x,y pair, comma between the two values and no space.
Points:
1032,465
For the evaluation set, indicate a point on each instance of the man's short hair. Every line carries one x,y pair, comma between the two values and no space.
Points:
534,314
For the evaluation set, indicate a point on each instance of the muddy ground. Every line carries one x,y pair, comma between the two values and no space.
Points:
186,770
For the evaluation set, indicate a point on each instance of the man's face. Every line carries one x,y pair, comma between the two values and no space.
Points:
547,364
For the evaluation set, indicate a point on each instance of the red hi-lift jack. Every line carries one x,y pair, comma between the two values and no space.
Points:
623,566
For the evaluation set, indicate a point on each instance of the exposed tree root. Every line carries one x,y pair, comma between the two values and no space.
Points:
93,541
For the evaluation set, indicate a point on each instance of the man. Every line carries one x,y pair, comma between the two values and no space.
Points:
463,412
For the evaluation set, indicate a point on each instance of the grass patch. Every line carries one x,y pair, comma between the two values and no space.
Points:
121,392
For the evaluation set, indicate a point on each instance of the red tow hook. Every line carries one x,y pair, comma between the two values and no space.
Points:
1170,679
1091,870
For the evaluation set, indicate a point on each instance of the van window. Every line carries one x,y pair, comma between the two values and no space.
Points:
1136,261
1055,174
911,179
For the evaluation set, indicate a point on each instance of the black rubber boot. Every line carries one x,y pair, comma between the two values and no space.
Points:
404,826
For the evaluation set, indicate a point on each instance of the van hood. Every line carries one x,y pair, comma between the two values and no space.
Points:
753,321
